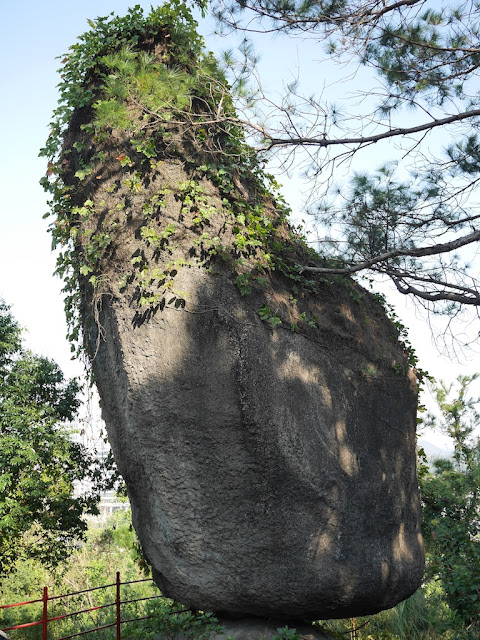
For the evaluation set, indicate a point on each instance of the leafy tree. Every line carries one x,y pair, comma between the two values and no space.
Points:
40,516
451,499
415,219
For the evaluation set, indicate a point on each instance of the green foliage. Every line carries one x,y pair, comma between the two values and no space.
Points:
424,616
108,547
162,90
242,281
173,621
427,55
195,201
144,95
286,633
376,216
108,52
311,322
451,499
111,113
267,316
109,34
39,464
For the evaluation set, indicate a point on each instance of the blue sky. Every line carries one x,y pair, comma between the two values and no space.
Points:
32,34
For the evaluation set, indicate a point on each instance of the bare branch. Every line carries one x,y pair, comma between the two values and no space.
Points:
400,131
438,296
430,280
385,257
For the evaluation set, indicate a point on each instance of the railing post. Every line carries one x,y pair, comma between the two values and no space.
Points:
45,613
118,610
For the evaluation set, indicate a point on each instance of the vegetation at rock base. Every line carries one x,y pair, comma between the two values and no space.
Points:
108,547
451,504
40,516
111,546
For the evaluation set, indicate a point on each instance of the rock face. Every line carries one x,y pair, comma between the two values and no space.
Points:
267,440
269,474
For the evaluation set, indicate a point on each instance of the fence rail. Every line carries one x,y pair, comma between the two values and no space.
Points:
46,620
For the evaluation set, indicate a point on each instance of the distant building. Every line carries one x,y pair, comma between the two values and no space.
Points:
90,431
109,503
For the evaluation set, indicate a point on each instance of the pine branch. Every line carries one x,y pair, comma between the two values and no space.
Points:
451,296
420,252
399,131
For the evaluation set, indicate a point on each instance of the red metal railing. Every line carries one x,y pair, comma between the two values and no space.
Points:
46,620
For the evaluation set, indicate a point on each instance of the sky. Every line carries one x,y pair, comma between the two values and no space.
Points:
32,35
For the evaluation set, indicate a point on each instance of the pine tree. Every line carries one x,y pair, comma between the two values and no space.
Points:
416,219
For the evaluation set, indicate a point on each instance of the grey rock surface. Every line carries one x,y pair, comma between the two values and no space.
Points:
271,473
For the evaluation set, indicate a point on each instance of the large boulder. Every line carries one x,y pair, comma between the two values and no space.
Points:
263,418
270,472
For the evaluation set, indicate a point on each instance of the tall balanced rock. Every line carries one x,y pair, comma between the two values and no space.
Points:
263,420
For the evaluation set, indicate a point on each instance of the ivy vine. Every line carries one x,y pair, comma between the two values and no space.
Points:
146,77
138,91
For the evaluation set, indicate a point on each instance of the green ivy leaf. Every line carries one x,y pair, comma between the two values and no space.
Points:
274,321
264,312
85,269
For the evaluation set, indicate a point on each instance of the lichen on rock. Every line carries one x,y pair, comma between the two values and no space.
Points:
260,418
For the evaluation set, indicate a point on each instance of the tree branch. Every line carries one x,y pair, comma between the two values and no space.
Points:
400,131
436,249
309,22
435,297
399,275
